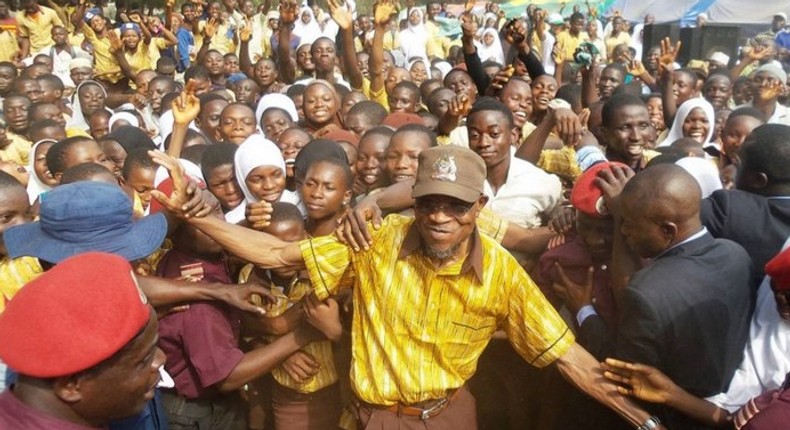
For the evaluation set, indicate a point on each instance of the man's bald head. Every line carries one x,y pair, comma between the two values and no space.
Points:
661,208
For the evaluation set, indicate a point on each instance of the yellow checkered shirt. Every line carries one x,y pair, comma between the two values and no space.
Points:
418,331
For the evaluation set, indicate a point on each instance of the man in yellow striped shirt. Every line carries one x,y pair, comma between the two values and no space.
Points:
428,296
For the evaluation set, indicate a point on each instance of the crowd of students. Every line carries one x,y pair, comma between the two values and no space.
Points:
243,216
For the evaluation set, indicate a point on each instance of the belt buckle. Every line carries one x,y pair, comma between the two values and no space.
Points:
433,410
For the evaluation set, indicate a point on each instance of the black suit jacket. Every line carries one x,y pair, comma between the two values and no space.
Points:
687,313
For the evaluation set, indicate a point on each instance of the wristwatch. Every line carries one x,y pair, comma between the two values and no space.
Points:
651,423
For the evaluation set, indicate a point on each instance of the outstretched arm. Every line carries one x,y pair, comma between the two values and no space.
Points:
256,247
650,385
579,368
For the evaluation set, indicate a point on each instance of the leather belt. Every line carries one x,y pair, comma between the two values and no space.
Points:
424,410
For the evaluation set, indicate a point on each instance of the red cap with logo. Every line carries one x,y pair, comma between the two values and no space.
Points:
586,195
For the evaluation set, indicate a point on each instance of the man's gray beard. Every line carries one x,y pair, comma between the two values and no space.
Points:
441,255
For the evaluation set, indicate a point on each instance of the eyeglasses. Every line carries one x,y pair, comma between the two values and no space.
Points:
456,209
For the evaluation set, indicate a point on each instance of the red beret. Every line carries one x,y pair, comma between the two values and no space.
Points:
339,135
779,271
399,119
73,317
586,196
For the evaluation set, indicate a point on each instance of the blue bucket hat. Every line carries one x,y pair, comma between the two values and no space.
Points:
82,217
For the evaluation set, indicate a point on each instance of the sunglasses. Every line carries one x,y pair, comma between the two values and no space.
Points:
456,209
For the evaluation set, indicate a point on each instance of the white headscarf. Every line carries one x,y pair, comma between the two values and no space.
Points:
309,32
676,132
35,186
493,51
444,67
78,119
279,101
123,116
255,152
706,174
414,39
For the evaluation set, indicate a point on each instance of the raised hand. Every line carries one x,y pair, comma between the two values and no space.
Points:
186,106
460,106
641,381
636,68
289,11
211,28
383,11
758,53
469,25
135,17
574,296
500,80
470,4
567,125
669,53
245,32
556,55
340,13
116,44
516,35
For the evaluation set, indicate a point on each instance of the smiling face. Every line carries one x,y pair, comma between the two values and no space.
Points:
517,96
696,125
717,91
544,89
445,225
304,60
629,133
123,388
266,183
371,159
320,105
130,39
403,154
40,164
92,98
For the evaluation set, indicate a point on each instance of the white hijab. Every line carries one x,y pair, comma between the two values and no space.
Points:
309,32
279,101
704,171
676,132
35,186
255,152
414,38
78,119
493,51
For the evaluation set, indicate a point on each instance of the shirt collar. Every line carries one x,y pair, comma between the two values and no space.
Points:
694,236
474,261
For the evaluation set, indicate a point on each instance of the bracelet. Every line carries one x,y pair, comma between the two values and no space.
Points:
651,423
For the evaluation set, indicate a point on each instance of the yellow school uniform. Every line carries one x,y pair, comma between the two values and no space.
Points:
38,27
106,67
14,274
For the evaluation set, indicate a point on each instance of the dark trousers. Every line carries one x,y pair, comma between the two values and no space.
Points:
221,413
293,410
460,414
